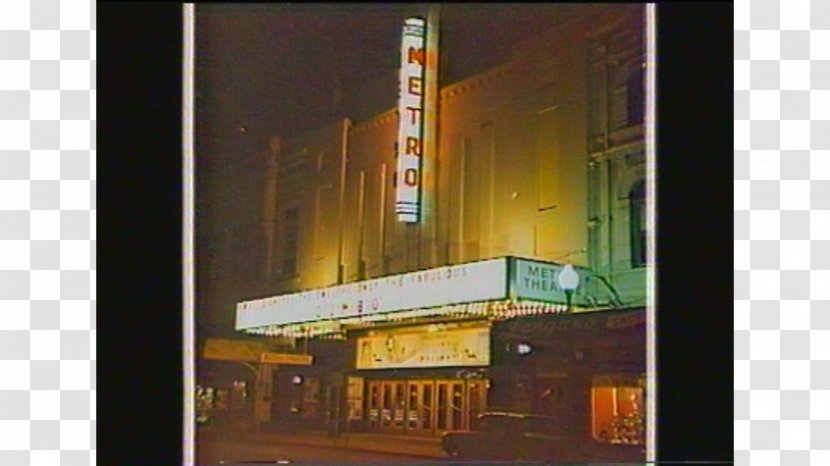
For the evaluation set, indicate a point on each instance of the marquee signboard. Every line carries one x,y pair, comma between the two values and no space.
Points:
539,281
288,359
411,121
457,284
424,346
489,280
222,349
592,323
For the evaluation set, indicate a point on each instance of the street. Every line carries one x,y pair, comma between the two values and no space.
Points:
217,450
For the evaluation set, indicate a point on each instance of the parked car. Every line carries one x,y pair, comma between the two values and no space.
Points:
505,436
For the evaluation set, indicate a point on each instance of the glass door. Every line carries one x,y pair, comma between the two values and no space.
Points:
442,406
427,405
451,405
419,407
387,403
374,404
458,406
413,408
399,414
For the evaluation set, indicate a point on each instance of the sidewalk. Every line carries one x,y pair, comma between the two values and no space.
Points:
420,447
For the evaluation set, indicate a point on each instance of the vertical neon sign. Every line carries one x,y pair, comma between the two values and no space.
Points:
411,120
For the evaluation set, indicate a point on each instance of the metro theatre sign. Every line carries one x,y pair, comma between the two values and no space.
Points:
411,121
494,279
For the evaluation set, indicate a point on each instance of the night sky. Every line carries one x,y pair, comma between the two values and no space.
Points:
284,69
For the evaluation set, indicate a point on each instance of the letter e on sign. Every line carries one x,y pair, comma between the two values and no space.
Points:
414,85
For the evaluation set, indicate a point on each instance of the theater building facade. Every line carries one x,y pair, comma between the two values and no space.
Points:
506,272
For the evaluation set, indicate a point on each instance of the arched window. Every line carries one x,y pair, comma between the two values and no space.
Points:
637,212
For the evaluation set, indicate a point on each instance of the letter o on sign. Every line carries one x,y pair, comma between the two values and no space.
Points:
410,177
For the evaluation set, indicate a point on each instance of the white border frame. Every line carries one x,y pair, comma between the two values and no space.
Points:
188,323
188,447
651,239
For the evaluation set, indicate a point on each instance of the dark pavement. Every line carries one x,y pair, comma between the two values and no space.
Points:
213,450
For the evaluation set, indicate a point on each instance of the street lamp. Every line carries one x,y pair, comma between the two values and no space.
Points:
569,281
524,349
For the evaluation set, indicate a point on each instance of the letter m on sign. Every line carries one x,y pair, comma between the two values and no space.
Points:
416,56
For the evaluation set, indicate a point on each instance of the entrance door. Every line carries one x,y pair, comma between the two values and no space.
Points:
399,404
374,404
392,400
451,405
425,407
420,407
428,405
414,420
387,404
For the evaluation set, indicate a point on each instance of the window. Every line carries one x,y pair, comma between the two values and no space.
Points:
636,95
292,238
628,96
618,411
637,200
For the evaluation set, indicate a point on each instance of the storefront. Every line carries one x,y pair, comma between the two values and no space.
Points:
426,352
587,369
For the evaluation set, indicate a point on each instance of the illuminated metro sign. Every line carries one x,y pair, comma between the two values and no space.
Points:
411,121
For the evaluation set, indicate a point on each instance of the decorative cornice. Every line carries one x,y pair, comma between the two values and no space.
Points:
477,81
374,122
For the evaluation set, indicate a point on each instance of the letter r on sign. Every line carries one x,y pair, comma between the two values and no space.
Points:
413,146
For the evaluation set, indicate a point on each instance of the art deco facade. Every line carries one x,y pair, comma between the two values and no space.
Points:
538,157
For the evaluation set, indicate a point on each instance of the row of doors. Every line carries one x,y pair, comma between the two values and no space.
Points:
424,407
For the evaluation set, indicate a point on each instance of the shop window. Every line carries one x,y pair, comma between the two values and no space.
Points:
618,415
637,200
205,400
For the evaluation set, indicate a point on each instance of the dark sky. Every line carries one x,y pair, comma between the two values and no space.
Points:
284,69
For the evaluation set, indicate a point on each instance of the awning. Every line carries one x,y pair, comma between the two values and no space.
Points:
221,349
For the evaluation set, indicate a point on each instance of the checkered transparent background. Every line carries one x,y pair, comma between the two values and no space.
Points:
782,232
47,232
